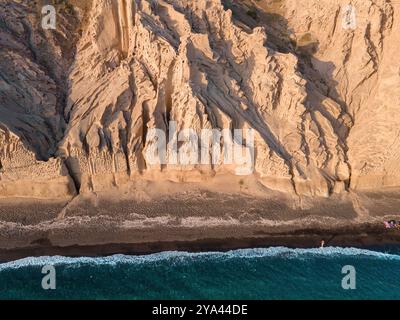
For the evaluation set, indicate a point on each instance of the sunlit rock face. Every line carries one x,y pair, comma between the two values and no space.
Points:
318,84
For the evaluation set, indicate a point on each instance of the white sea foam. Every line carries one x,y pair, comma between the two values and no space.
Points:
181,257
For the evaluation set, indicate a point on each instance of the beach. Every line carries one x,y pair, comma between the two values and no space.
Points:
193,220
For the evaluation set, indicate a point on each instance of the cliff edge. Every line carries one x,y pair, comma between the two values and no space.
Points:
318,84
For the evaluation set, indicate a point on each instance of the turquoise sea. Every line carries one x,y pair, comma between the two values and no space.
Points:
271,273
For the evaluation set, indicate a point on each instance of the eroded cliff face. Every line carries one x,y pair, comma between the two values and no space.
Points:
77,103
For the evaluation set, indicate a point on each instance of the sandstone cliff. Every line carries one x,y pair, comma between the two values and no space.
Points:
77,102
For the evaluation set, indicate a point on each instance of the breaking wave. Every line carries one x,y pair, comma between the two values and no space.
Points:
180,256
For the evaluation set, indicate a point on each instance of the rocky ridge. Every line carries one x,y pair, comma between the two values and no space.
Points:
76,103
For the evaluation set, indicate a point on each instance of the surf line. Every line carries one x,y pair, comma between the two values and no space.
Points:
164,310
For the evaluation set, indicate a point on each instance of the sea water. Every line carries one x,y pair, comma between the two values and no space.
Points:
270,273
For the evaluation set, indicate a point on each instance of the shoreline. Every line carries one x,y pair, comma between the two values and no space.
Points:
366,236
194,220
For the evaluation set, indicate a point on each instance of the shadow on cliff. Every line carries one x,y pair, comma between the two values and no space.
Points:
29,111
318,74
282,39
